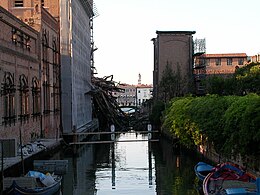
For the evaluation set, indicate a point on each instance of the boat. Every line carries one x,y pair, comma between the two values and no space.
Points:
33,182
202,169
230,179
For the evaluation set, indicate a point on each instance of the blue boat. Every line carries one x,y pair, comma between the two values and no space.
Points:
32,183
202,169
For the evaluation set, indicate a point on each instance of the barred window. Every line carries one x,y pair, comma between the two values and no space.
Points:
56,76
36,97
8,94
24,98
229,61
46,72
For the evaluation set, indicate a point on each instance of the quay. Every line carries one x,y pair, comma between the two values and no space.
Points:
12,165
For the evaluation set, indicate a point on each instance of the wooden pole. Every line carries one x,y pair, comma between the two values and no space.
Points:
2,167
21,144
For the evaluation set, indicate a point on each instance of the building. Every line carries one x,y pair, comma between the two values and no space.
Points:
222,63
20,78
143,94
255,58
128,97
35,15
173,48
74,19
206,65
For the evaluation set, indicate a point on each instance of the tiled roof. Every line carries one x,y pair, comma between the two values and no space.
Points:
227,55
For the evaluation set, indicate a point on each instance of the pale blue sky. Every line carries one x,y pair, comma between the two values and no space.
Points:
124,29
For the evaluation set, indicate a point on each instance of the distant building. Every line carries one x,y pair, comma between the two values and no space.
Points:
222,63
174,48
127,98
255,58
143,94
216,64
134,95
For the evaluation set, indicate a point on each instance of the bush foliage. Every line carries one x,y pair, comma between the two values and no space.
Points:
231,123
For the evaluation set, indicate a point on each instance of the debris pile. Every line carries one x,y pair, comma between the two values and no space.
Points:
106,108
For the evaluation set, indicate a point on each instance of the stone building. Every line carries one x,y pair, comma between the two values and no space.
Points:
143,93
128,97
35,15
173,48
20,79
76,57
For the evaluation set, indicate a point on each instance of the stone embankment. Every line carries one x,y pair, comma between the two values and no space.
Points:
36,150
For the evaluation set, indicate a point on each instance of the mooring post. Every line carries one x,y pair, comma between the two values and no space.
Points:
112,129
74,138
149,128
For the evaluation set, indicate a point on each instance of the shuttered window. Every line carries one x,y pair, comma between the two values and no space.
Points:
18,3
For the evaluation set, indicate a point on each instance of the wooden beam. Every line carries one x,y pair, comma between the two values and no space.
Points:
109,132
108,142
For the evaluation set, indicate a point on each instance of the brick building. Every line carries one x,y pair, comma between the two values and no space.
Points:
216,64
74,19
20,78
35,15
174,48
221,63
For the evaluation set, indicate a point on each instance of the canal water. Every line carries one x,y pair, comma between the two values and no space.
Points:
130,168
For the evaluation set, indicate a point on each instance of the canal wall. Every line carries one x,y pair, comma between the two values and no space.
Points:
251,164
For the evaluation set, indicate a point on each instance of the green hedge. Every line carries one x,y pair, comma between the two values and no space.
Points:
231,123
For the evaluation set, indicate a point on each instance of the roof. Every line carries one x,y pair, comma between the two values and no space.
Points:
223,55
176,32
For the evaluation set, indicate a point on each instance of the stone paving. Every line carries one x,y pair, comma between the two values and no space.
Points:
46,145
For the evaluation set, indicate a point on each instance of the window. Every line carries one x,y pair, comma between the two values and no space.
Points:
46,73
240,61
8,94
218,61
229,61
27,42
35,97
14,36
18,3
42,3
56,76
207,62
24,98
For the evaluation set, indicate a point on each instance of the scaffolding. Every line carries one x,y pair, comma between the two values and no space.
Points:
93,47
199,66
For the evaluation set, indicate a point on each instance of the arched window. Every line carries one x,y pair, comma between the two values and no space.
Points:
24,97
56,76
46,72
8,94
36,94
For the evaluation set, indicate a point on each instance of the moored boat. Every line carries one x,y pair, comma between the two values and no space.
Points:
202,169
32,183
230,179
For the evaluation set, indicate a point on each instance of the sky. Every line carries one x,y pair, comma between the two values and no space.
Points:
123,30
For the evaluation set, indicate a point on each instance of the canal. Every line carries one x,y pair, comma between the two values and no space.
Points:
129,168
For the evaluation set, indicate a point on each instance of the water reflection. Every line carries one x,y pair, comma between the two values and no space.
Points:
129,168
